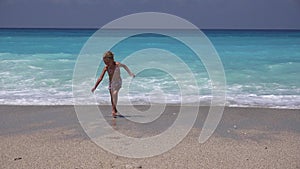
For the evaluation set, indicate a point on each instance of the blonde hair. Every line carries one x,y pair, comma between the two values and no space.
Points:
108,55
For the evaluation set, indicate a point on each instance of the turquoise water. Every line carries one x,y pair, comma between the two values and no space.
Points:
261,67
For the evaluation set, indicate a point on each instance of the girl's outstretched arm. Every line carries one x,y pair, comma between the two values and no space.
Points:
99,79
127,69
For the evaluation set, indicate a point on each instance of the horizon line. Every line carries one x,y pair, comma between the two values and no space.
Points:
94,28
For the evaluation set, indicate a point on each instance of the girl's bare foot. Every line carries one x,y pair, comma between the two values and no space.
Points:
114,114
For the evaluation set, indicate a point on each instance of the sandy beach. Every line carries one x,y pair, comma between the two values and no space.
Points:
51,137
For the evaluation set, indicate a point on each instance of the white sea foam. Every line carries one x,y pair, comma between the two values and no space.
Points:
55,97
35,67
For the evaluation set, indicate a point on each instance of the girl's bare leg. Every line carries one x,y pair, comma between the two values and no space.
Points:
114,101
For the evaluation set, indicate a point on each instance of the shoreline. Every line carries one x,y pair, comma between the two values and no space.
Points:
168,104
51,137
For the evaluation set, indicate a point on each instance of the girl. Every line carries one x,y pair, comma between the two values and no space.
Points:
115,80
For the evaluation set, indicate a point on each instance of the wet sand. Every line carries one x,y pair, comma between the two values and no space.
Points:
51,137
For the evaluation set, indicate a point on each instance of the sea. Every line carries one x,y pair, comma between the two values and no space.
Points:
261,68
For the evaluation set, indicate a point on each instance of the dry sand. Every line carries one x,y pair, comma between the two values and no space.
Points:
51,137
